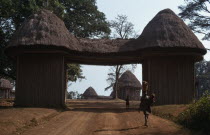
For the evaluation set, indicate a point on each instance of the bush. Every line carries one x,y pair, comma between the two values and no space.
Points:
197,116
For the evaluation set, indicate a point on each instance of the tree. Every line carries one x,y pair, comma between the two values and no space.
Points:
202,73
74,95
122,29
197,13
74,72
81,17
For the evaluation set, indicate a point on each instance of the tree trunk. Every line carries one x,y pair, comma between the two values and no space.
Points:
118,68
116,83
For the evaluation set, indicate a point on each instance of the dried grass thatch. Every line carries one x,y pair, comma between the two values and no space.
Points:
90,92
128,79
5,84
166,31
102,45
44,29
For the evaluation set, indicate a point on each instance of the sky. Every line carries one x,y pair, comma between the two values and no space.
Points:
139,12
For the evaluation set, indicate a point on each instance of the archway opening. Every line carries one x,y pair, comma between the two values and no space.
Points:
94,91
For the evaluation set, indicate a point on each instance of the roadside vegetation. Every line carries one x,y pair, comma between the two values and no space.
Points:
195,116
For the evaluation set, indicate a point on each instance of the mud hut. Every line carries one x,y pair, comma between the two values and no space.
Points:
129,85
5,88
90,93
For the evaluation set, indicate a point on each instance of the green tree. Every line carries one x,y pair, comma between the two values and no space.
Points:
81,17
197,14
74,72
74,95
202,74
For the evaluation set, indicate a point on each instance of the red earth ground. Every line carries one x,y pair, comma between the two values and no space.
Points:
85,117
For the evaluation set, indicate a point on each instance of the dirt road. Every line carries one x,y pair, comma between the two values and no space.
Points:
99,118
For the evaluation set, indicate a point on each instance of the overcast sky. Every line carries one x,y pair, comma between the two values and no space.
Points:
139,12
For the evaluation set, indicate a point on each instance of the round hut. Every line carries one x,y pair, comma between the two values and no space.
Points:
169,50
90,93
5,88
39,47
129,85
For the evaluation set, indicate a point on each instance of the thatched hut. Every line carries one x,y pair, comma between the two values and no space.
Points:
129,85
169,51
90,93
5,88
39,47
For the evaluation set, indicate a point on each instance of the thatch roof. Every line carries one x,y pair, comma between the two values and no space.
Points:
90,92
44,29
102,45
167,31
5,84
128,79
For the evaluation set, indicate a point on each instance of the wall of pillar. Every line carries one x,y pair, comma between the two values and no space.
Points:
40,80
170,78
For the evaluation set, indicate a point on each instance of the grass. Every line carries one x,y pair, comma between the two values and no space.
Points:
169,112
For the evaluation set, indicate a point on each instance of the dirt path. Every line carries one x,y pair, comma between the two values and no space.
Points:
104,121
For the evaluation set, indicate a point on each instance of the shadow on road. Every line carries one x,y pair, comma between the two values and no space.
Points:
100,106
102,110
124,129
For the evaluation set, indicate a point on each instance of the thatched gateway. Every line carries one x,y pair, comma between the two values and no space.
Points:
5,88
42,46
129,85
90,93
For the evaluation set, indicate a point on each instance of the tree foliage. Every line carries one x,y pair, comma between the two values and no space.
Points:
74,72
197,13
197,116
202,74
74,95
81,18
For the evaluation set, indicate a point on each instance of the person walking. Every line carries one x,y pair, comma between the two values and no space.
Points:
146,101
127,103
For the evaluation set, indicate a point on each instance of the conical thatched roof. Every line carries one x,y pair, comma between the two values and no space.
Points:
128,79
46,30
90,92
5,84
167,31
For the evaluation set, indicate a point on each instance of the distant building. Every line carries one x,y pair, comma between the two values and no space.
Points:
90,93
128,85
5,88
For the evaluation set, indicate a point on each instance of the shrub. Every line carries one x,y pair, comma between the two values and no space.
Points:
197,116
